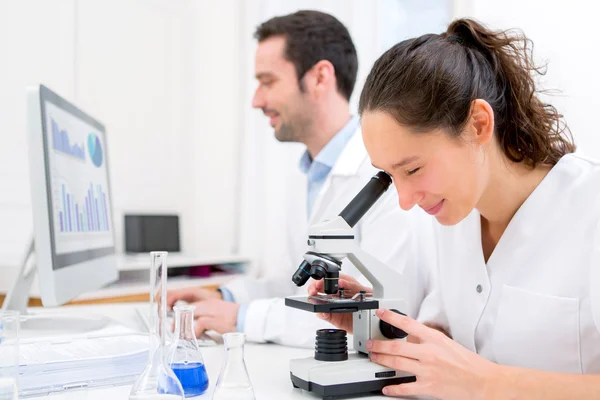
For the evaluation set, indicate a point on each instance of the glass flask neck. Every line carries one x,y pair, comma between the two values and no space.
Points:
234,345
235,358
184,322
234,340
158,312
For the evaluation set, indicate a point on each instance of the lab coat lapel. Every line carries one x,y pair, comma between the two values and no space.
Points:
508,260
346,167
512,259
463,249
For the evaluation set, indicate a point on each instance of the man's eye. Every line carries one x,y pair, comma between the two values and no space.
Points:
412,171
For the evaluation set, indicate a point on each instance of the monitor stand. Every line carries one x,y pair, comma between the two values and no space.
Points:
45,323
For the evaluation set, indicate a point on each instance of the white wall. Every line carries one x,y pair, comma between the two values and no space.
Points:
565,35
218,124
166,89
24,49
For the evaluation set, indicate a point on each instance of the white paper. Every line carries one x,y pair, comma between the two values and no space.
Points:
90,349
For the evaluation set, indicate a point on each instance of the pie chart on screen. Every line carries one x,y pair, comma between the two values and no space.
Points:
95,149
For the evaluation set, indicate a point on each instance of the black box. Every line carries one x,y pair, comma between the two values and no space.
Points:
145,233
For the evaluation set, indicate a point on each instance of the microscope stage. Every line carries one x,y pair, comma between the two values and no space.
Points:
330,304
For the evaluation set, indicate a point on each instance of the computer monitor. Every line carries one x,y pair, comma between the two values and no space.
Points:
74,240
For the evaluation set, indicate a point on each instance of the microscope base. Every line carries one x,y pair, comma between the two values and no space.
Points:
353,376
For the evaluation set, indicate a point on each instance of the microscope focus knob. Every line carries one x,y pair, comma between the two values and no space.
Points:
318,270
390,331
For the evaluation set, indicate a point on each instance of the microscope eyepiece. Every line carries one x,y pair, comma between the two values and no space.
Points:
302,274
365,199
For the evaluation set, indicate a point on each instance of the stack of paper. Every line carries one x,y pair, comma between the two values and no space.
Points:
60,364
8,389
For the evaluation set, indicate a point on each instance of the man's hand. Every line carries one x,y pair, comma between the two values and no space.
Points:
191,295
217,315
351,286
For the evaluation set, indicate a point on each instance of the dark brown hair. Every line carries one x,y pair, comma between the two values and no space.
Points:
312,36
430,82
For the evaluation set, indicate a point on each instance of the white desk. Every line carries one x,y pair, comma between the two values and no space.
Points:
268,366
135,262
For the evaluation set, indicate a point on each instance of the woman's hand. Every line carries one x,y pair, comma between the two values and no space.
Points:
444,369
351,286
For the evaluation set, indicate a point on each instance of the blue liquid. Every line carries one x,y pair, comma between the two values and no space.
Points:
192,376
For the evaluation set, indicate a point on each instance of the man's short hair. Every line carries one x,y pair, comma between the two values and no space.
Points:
312,36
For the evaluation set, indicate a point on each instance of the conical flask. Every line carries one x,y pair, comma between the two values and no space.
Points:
233,382
185,358
157,382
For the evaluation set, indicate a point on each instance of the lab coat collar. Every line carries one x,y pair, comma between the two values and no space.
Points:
352,157
347,167
329,154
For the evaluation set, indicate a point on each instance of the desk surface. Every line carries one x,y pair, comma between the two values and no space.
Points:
135,291
268,365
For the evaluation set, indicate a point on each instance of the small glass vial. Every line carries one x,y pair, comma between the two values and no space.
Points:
185,358
233,382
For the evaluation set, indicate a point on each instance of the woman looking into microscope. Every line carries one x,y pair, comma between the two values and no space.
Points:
456,121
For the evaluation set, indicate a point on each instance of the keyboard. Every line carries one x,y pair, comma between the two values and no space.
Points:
142,313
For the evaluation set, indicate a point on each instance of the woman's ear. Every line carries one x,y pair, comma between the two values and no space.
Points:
481,122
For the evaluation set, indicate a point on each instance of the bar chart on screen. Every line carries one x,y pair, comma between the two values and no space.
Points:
87,213
79,184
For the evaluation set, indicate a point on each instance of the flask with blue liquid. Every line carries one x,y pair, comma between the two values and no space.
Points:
185,358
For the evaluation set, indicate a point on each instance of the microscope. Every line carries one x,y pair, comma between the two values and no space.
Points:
333,371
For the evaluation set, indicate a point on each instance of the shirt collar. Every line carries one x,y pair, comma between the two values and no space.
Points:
332,150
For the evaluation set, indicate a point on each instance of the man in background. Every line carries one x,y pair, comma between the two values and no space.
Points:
306,66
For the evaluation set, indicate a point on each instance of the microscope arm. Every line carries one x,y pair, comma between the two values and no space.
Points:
387,283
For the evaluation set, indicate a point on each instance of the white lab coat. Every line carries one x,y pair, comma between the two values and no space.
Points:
536,303
384,232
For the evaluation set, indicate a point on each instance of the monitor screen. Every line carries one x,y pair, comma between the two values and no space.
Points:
77,184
